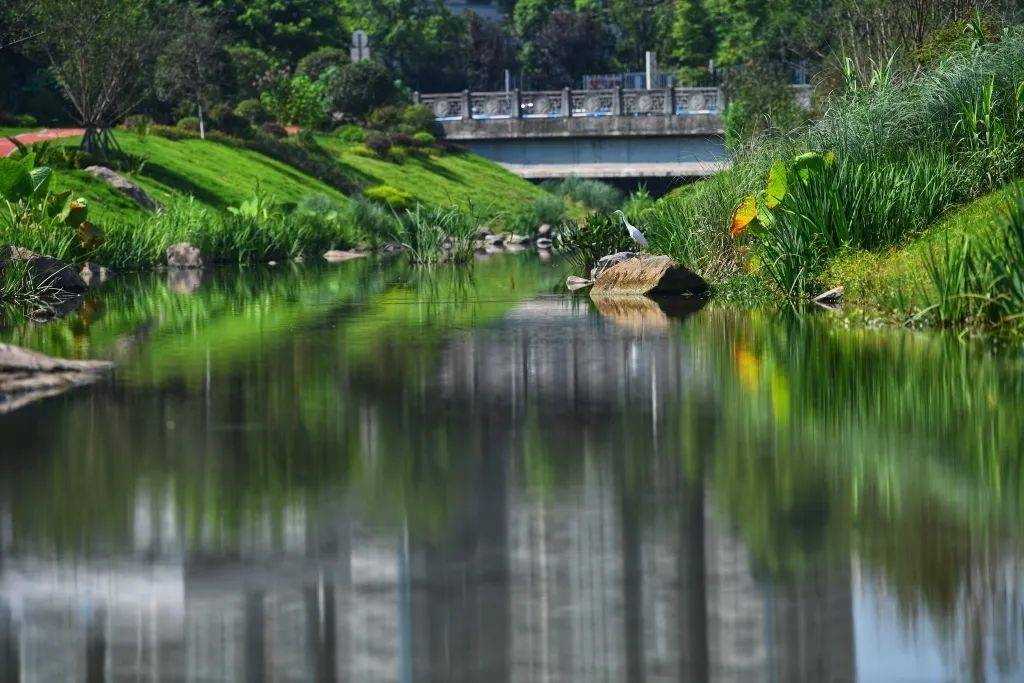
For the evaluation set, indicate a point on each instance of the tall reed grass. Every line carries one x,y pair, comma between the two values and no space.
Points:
907,150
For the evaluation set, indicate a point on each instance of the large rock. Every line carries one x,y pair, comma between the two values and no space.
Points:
46,271
184,255
125,187
27,376
645,274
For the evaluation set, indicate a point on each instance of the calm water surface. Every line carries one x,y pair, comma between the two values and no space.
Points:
365,473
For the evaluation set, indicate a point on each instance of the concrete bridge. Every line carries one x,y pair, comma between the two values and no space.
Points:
617,133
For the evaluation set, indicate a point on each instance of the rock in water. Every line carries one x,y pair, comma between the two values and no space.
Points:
574,283
94,274
337,255
27,376
544,243
644,274
46,271
125,187
184,255
832,296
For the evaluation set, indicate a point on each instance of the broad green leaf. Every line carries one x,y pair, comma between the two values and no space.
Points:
15,180
59,205
776,191
743,216
808,164
42,178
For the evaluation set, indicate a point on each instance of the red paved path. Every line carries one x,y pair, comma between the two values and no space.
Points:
6,146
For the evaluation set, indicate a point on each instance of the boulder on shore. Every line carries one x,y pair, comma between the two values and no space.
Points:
46,271
646,274
27,376
339,255
125,187
184,255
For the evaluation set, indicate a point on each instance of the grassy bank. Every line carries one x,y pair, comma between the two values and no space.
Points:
861,196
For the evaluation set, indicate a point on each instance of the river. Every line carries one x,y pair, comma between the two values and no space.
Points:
366,472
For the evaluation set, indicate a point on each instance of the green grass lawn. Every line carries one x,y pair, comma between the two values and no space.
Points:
871,279
462,179
219,176
215,174
6,130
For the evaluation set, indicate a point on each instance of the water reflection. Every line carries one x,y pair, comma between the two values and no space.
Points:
368,473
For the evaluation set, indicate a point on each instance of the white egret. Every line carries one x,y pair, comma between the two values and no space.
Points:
634,234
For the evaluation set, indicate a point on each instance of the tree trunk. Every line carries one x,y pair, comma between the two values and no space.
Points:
202,123
91,139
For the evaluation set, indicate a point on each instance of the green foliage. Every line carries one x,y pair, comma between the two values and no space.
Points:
378,145
318,62
246,65
524,219
396,199
356,89
253,111
588,240
189,123
431,235
350,134
35,216
592,194
424,139
297,100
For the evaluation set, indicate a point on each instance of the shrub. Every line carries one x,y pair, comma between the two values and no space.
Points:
350,134
592,194
224,119
190,123
423,139
297,100
398,200
525,219
272,129
380,145
317,63
247,65
358,88
402,140
418,118
254,112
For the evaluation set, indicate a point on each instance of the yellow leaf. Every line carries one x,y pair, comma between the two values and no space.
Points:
743,216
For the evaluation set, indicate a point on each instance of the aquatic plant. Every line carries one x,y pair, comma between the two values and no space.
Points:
431,235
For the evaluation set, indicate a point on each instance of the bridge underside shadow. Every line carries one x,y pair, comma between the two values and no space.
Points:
608,158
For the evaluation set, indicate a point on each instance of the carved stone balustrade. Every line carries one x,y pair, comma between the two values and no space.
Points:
568,103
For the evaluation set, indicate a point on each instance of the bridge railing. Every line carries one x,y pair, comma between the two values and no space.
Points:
566,103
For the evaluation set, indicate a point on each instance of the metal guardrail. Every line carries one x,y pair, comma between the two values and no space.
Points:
567,103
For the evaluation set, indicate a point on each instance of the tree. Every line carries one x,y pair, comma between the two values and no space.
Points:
567,46
285,29
357,88
101,53
491,51
420,41
692,39
192,65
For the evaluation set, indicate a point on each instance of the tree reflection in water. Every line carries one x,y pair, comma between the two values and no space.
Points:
372,473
